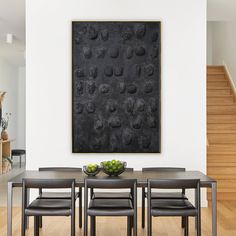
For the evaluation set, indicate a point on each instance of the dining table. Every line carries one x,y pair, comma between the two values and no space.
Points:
141,177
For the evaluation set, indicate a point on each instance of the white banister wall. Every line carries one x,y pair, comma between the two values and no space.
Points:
223,45
49,85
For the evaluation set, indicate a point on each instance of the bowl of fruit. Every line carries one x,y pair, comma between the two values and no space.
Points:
113,168
91,169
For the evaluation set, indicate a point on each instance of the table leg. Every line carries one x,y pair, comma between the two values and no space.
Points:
9,208
195,198
27,203
214,208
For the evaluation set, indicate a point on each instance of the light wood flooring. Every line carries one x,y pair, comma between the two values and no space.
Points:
60,226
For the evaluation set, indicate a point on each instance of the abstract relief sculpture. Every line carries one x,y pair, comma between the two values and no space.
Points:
116,87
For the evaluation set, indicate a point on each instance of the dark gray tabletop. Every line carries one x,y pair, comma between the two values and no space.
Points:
141,177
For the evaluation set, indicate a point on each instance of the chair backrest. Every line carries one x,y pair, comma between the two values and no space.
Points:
164,169
49,184
175,184
128,169
61,169
111,183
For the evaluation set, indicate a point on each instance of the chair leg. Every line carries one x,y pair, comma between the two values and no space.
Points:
23,225
40,222
80,208
132,222
73,224
135,226
85,224
92,226
129,232
186,226
143,207
198,226
182,222
149,227
20,160
36,226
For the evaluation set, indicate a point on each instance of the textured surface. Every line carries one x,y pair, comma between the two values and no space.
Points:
116,86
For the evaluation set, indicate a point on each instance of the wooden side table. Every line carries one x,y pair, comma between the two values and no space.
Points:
5,151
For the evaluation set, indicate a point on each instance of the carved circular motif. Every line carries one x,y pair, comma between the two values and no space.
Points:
140,51
92,33
108,71
154,36
100,52
104,88
90,107
104,34
122,87
148,87
118,71
93,72
115,122
131,88
149,70
127,33
87,52
140,31
129,53
114,52
91,87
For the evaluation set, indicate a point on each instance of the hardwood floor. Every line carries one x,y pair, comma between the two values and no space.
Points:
60,226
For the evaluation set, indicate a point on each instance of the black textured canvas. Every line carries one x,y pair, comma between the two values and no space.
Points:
116,87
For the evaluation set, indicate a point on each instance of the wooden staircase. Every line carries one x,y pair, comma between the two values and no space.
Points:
221,132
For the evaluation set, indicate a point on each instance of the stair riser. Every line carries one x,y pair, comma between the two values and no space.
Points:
221,119
220,101
221,171
221,128
219,110
217,83
220,159
219,93
223,196
221,139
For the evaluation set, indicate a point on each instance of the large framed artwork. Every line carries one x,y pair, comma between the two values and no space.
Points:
116,87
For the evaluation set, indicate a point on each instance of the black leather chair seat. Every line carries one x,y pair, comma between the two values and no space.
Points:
57,195
112,195
110,207
167,195
172,207
17,152
49,207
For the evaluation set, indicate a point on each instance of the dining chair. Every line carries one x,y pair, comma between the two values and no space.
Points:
48,207
62,195
110,206
114,195
174,207
161,195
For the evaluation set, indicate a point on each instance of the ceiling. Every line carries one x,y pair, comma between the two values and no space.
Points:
12,20
221,10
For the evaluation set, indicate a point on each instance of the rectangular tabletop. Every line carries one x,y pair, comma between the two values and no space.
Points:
141,177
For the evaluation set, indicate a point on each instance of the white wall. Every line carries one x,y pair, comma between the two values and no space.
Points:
21,108
223,45
48,86
221,10
209,43
9,83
